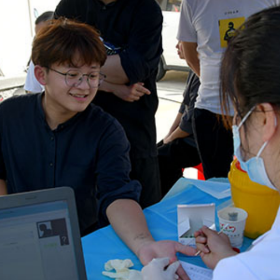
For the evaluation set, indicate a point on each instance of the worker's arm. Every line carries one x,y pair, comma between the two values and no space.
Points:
114,71
177,133
191,56
175,123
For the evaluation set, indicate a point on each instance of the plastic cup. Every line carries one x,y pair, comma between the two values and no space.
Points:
235,219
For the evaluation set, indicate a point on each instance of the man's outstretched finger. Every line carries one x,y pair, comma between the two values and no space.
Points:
185,249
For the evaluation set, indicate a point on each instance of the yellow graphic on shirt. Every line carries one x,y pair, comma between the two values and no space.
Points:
227,29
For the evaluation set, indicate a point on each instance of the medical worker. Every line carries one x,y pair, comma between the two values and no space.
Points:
250,80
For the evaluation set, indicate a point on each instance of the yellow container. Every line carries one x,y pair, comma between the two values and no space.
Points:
260,202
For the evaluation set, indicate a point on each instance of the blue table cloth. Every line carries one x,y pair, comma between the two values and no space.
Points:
104,244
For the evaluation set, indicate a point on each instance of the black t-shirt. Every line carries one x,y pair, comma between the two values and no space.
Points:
134,29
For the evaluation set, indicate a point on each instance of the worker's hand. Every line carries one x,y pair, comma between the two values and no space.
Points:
131,93
159,269
213,246
162,249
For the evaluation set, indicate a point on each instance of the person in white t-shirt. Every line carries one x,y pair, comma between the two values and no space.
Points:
202,29
249,79
31,83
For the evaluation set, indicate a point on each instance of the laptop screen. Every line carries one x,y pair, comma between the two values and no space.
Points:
36,242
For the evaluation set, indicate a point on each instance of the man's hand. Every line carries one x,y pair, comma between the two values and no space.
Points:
213,246
168,249
127,93
131,93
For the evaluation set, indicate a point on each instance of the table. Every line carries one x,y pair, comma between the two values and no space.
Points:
103,245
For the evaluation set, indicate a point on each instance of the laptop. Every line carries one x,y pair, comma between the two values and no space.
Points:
39,236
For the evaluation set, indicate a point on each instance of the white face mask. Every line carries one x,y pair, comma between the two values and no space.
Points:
254,166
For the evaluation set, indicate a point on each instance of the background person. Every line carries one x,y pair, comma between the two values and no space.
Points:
31,84
60,138
249,78
178,149
131,32
201,29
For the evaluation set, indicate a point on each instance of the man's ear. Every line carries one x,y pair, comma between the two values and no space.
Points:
40,74
270,122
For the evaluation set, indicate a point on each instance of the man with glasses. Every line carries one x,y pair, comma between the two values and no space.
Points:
46,140
59,138
131,33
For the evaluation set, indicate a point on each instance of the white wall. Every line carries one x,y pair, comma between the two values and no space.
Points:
16,32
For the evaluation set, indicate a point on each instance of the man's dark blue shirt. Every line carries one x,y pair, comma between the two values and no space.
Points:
89,153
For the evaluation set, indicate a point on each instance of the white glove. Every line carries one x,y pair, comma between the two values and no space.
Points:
155,270
120,270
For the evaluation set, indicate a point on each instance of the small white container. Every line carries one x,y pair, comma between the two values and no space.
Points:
236,220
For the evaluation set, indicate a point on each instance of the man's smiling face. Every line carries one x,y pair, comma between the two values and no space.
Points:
67,94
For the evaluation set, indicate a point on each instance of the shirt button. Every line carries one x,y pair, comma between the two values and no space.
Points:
51,164
52,138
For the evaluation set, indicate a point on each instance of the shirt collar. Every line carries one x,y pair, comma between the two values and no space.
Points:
43,117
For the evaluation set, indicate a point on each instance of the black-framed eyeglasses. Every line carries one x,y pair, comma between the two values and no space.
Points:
74,78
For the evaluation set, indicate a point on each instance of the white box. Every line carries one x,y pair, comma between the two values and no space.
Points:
192,217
